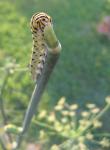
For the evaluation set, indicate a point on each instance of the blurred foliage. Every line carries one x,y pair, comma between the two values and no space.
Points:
66,130
83,71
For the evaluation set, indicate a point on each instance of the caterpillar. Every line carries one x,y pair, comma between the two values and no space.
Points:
39,50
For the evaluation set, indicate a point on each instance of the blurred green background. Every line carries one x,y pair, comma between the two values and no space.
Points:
82,73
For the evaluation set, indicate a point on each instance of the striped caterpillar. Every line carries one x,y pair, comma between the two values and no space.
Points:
39,50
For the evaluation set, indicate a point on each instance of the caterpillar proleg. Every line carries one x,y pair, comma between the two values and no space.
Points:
39,50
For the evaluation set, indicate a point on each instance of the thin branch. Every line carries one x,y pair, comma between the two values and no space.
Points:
17,69
2,109
2,145
102,135
52,130
97,117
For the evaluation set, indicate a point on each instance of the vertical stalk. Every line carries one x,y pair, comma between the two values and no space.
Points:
2,101
2,145
54,49
2,109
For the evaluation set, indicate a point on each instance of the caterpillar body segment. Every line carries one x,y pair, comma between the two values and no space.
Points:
39,50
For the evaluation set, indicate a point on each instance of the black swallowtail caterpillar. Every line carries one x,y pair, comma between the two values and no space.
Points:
39,50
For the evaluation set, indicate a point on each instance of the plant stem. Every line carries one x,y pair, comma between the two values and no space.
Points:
2,145
2,109
102,135
54,49
51,128
2,101
98,116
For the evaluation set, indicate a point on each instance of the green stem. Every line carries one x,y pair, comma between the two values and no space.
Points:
2,145
102,135
98,116
2,109
44,125
51,60
51,39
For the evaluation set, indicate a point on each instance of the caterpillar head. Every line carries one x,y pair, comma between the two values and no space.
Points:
39,21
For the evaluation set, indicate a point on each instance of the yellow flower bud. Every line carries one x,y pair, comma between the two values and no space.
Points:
62,101
74,107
